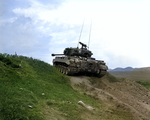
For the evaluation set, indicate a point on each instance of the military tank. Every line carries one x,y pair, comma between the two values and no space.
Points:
79,61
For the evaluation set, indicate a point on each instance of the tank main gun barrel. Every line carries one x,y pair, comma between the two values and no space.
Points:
56,54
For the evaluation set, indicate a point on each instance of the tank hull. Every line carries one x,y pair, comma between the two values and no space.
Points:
80,65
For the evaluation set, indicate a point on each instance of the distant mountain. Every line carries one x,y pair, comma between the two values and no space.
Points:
132,73
122,69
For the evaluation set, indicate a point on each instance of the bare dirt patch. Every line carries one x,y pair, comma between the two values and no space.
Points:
125,94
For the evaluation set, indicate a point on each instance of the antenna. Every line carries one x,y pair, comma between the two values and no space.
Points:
90,34
80,33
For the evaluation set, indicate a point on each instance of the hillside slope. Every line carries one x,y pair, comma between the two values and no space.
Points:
123,95
33,90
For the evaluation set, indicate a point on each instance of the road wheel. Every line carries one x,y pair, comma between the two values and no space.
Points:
98,71
59,68
63,70
67,71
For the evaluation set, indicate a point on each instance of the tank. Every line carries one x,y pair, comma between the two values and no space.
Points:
79,61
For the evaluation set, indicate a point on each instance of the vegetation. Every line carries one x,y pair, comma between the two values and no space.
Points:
141,74
111,78
33,90
145,83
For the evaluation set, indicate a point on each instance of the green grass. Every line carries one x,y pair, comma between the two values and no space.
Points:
28,82
31,89
112,78
145,84
142,74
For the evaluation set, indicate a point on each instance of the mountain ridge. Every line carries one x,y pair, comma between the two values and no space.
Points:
136,74
122,69
129,69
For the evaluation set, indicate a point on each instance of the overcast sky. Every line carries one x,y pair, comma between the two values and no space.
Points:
120,33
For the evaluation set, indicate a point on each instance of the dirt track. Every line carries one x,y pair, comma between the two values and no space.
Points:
126,94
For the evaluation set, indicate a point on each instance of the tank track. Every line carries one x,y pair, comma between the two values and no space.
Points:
67,70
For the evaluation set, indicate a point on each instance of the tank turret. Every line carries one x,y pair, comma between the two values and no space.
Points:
78,60
83,51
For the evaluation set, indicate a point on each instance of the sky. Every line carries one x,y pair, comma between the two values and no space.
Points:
120,29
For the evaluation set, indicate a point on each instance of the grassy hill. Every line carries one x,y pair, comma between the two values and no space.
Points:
33,90
140,75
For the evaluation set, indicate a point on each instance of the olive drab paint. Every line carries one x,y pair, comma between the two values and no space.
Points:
79,60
